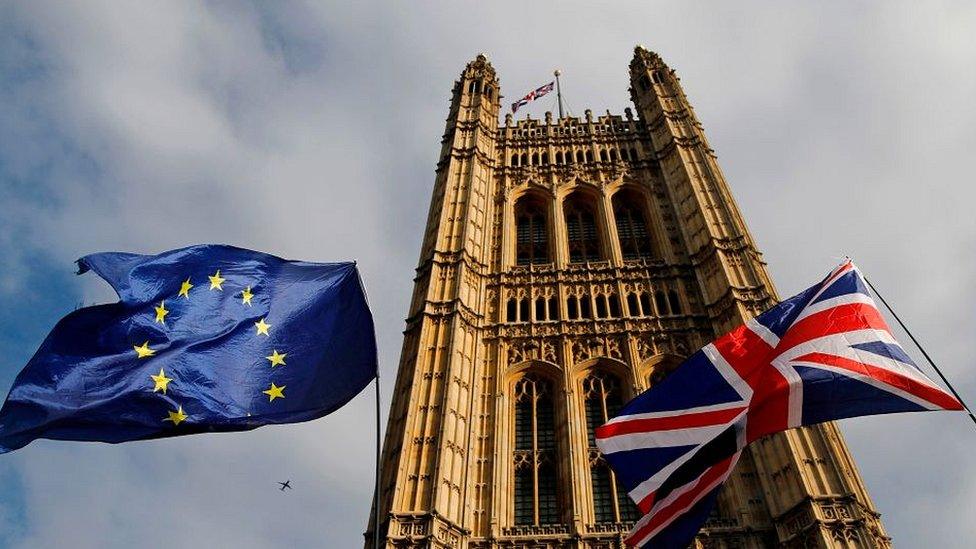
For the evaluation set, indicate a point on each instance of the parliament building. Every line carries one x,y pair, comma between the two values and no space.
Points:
569,264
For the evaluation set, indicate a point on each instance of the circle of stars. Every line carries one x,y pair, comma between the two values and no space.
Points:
161,382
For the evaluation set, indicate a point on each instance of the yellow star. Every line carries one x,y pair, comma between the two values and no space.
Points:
277,358
143,350
275,392
161,381
185,288
161,312
262,327
246,296
216,281
176,417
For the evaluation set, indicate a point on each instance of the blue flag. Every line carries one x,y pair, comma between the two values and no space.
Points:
206,338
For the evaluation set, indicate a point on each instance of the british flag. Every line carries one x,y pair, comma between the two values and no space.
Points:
824,354
533,95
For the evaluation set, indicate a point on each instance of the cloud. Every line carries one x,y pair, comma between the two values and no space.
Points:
312,130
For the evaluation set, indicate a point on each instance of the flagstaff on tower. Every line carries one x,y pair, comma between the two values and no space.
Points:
559,93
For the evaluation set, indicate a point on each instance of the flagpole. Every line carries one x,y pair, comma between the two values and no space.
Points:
376,487
559,93
920,348
376,484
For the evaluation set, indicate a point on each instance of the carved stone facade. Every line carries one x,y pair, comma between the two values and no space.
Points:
567,265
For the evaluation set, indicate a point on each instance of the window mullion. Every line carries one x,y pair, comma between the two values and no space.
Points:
535,454
613,478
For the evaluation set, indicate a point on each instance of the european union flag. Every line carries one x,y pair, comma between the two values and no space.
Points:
205,338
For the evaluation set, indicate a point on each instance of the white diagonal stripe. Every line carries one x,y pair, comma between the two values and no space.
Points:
763,332
694,436
728,372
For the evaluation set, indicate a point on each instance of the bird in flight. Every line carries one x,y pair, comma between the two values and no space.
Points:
285,484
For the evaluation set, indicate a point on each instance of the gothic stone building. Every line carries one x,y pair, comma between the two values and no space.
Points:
567,265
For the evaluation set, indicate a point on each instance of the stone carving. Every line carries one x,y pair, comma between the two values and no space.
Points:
548,351
613,348
586,348
645,347
522,350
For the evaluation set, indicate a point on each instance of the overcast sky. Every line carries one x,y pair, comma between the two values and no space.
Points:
311,130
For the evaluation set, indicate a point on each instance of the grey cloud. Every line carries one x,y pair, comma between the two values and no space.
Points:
312,130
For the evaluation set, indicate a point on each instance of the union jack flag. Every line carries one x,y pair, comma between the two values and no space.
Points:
822,355
533,95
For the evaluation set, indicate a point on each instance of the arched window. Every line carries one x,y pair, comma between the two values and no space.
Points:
579,156
613,155
578,307
515,161
545,159
633,155
603,155
602,399
535,159
661,303
525,159
532,232
607,306
584,242
674,302
632,306
553,308
589,156
584,302
645,301
536,497
635,242
559,157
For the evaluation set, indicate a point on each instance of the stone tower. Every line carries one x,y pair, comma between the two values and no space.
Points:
568,265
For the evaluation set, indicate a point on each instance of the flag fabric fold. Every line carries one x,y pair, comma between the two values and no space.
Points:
205,338
821,355
533,95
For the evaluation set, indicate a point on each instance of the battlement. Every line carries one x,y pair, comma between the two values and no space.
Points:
608,124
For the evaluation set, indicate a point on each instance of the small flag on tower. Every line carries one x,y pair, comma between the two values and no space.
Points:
533,95
206,338
822,355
